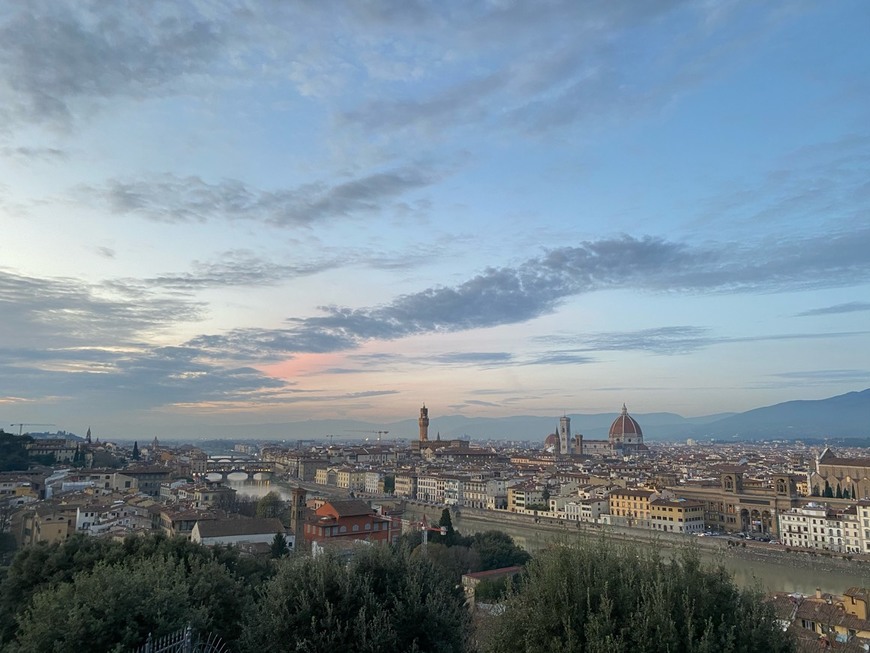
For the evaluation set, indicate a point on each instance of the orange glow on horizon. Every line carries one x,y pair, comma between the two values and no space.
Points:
301,365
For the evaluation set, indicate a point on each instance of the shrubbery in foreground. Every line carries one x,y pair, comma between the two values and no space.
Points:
607,597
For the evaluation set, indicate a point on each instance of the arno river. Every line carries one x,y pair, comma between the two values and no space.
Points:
789,573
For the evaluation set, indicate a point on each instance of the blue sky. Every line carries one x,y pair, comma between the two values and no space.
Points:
243,212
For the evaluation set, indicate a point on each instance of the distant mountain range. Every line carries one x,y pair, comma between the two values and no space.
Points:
843,416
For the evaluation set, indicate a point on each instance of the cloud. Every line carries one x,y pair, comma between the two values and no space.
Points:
840,376
234,268
668,341
472,358
663,340
850,307
538,286
29,154
806,186
173,199
133,378
54,56
560,358
68,312
63,60
478,402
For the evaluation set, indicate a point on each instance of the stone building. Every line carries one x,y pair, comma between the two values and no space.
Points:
840,478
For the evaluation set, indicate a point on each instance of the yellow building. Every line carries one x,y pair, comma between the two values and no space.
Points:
840,618
48,523
677,516
631,504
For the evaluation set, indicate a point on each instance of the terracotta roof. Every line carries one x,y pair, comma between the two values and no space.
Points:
494,573
829,614
349,507
625,424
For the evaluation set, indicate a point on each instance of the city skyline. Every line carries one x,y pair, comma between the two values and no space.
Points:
238,213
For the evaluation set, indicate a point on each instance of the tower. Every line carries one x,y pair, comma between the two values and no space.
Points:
424,424
297,516
88,436
564,435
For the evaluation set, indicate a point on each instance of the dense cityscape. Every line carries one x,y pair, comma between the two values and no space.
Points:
783,503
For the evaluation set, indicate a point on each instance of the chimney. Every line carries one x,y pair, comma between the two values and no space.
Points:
818,592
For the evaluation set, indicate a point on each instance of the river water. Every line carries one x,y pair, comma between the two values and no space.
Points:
786,574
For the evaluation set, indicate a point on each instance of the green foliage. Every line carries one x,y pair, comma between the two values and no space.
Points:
603,596
493,590
13,452
136,455
384,599
496,550
270,505
111,608
446,523
389,484
452,561
279,548
829,491
218,583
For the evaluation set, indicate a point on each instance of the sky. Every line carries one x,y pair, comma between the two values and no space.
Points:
239,212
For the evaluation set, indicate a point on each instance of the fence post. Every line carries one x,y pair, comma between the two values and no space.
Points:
188,639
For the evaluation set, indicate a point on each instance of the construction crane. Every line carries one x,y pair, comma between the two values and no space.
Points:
21,425
379,433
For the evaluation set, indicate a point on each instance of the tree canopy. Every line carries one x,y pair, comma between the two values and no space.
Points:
383,599
84,575
13,452
608,597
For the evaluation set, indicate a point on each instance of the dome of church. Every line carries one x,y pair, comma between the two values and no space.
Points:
625,427
551,441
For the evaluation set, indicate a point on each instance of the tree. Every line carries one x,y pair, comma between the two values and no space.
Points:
13,452
219,582
545,495
614,598
279,548
829,492
270,505
452,561
446,524
496,550
384,599
839,493
115,606
136,454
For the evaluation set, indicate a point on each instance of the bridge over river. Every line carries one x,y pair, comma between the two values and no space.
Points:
227,465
